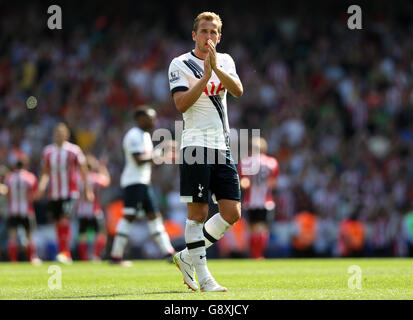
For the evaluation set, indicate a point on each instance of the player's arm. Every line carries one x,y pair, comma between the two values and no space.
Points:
3,189
134,144
83,172
231,83
104,172
186,99
82,165
43,181
142,158
275,172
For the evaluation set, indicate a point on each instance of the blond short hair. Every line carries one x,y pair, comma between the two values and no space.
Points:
209,16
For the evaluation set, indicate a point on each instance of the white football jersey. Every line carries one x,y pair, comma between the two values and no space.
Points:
136,141
206,122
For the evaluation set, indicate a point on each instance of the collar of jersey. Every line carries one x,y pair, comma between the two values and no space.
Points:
65,143
193,53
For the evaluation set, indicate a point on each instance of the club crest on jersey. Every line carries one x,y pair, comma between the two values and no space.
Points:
200,190
174,76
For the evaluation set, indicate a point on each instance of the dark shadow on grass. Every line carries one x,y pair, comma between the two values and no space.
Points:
117,295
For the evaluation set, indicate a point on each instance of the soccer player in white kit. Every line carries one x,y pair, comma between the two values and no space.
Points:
138,195
199,81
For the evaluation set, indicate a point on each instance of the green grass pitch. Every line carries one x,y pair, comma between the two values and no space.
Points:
271,279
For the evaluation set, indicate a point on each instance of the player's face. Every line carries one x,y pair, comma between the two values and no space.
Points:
61,134
148,123
207,30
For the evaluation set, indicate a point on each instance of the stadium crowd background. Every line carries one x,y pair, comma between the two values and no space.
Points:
335,105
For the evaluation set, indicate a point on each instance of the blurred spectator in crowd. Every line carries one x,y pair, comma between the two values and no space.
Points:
351,237
304,234
3,187
408,231
3,212
304,227
380,238
326,242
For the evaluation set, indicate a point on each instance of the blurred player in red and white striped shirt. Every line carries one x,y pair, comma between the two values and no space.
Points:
90,213
20,188
61,162
257,198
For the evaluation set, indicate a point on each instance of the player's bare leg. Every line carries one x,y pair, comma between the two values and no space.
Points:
230,210
159,235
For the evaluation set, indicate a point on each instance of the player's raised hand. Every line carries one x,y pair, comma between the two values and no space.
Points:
212,54
207,66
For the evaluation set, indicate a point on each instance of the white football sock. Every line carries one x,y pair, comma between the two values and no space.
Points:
121,239
213,230
160,236
195,243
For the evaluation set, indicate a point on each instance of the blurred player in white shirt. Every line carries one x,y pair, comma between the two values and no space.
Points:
139,198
